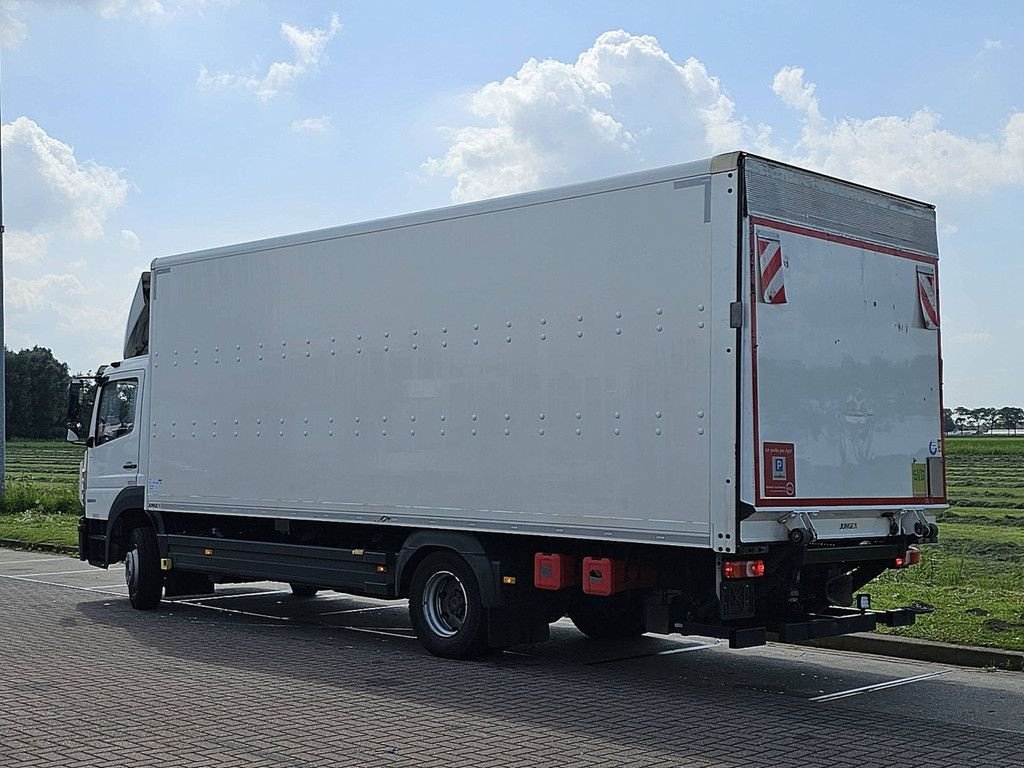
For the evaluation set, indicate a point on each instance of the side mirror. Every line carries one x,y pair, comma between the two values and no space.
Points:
77,391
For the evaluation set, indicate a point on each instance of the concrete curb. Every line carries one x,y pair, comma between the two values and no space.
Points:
60,549
924,650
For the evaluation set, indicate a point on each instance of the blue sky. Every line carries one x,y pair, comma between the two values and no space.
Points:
139,129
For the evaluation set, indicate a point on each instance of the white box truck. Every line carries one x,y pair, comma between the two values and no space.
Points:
702,399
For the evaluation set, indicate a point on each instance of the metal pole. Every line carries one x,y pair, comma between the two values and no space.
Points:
3,346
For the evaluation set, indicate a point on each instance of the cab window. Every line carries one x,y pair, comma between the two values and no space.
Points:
116,415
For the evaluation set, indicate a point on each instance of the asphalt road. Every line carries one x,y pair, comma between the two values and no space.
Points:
255,677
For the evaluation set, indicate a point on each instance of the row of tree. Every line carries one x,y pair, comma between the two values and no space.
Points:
979,421
37,394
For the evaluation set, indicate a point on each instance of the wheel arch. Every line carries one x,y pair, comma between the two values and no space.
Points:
126,513
421,544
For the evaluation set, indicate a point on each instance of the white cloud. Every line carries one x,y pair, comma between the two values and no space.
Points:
623,104
912,155
12,29
312,125
129,240
993,45
26,247
626,104
47,187
45,292
308,46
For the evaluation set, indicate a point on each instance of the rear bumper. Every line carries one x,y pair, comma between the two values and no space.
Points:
840,621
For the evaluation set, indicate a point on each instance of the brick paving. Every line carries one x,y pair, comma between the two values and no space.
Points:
85,680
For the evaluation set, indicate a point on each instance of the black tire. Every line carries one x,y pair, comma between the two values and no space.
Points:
181,583
303,590
609,618
142,570
445,607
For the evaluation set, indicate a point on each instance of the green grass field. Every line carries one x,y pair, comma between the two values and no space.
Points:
41,503
974,578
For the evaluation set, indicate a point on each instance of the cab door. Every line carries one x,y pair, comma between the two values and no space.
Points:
114,453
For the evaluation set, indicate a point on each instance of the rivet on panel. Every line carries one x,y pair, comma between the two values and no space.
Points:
385,347
415,332
618,314
474,433
307,354
359,337
236,434
578,415
260,358
258,421
284,343
658,310
616,430
304,421
476,341
618,415
618,331
543,337
283,356
700,431
357,433
238,359
476,326
442,433
657,414
541,431
508,339
238,346
282,421
359,350
579,431
700,324
260,346
508,324
332,353
330,433
280,434
332,339
257,433
216,349
193,434
307,341
506,430
387,335
444,329
305,433
384,419
444,344
236,422
384,432
415,346
658,327
579,334
412,418
412,432
357,419
700,307
657,431
474,417
508,416
443,417
330,419
579,318
543,321
541,416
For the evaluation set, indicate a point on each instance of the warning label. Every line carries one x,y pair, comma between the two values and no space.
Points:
779,470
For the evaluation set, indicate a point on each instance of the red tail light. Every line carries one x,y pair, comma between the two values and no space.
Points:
743,569
912,557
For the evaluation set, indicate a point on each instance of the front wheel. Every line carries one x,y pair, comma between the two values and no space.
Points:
142,570
445,607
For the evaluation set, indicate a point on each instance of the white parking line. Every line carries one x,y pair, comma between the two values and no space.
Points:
197,599
363,610
377,632
61,573
880,686
19,561
98,590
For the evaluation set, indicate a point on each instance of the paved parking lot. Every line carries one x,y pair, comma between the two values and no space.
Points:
255,677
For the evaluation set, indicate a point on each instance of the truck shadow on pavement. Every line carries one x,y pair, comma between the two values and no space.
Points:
385,688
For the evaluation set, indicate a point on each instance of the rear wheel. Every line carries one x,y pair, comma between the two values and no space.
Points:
142,570
303,590
445,607
609,618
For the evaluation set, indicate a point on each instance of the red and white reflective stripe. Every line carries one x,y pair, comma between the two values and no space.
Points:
926,293
769,254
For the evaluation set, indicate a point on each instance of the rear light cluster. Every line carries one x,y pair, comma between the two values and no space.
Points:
912,557
743,569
